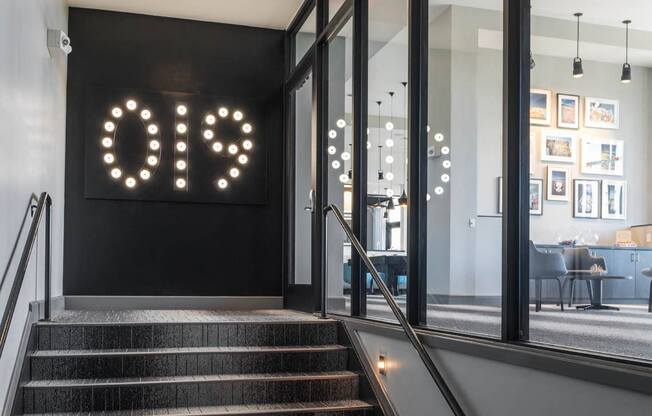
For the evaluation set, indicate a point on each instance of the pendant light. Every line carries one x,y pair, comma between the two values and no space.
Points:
403,199
381,175
578,72
626,76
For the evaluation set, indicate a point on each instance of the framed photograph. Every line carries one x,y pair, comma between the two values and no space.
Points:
603,157
614,200
557,146
601,113
536,196
568,111
558,184
586,198
540,107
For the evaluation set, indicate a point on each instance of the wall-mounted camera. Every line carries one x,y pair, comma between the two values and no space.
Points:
58,40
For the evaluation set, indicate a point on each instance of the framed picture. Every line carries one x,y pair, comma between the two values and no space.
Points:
614,200
540,107
601,113
568,111
533,148
558,184
586,198
557,146
603,157
536,196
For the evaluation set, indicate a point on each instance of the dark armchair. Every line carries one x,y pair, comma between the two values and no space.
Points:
546,266
581,260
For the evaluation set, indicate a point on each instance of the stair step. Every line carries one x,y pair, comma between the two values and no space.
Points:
82,336
185,350
351,407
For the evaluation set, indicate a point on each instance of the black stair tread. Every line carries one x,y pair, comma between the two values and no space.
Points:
254,409
113,382
185,350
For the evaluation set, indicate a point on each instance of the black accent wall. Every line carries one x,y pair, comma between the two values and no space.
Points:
127,247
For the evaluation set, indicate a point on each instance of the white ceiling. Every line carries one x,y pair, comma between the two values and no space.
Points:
273,14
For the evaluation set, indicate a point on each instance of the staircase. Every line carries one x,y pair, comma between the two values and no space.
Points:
295,365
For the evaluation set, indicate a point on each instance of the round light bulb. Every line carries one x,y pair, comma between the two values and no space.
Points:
116,112
445,178
182,128
154,145
445,150
152,160
389,143
181,146
332,150
346,155
131,105
233,149
145,174
210,119
145,114
368,131
109,126
181,164
247,144
237,115
439,137
217,147
344,178
336,164
130,182
109,158
389,176
439,190
428,196
180,183
332,134
223,112
428,128
182,110
368,145
246,128
152,129
234,172
446,164
116,173
107,142
389,126
389,159
389,192
208,134
341,123
243,159
222,183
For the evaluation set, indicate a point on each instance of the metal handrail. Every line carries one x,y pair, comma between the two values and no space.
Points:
44,204
30,208
407,328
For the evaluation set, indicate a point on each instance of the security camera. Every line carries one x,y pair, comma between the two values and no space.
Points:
57,39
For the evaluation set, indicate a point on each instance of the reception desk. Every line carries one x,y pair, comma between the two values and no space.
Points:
620,261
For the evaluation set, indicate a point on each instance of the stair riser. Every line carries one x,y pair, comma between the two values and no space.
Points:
75,399
188,364
78,337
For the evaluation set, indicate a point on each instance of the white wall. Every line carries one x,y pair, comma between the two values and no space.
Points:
32,143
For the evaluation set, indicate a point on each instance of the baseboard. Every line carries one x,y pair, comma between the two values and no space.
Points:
102,303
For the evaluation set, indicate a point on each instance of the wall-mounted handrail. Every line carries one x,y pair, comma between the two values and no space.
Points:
407,328
31,206
43,206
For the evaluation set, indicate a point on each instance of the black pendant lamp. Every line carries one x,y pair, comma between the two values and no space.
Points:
626,76
403,199
578,72
390,204
381,174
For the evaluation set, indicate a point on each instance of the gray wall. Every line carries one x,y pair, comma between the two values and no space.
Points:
490,388
32,144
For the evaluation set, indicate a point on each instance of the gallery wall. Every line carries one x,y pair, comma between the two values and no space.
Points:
137,247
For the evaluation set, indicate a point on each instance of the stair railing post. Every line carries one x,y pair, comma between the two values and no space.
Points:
48,259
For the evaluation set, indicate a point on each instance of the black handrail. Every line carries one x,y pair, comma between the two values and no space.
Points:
33,199
44,204
409,330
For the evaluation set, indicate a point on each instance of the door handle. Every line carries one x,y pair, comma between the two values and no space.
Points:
310,208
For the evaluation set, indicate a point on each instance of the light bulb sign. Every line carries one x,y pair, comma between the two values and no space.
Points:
175,147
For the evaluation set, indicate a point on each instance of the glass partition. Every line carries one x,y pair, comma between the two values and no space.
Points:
305,36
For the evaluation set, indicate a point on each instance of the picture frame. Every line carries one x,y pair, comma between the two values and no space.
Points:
540,107
586,198
601,113
536,196
558,146
614,200
601,156
568,111
558,183
533,148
